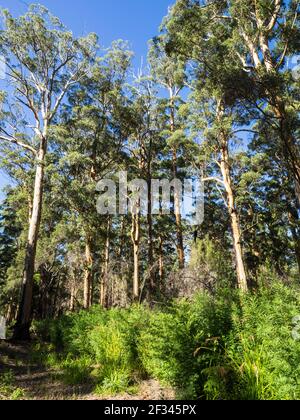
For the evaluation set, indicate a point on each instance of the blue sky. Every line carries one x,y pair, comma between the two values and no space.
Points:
136,21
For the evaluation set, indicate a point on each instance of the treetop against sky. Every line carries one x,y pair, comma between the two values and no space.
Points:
135,21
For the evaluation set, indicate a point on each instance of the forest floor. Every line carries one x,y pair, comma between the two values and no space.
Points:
31,381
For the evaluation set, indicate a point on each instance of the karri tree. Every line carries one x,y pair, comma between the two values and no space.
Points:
90,137
261,35
44,61
169,73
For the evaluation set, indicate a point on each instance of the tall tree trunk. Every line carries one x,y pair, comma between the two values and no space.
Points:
54,304
135,236
72,292
22,328
297,247
231,204
150,238
87,274
9,312
161,261
122,242
234,217
179,234
121,248
294,222
104,281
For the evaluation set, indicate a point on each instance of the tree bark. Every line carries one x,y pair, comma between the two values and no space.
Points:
161,261
72,292
297,247
294,222
22,327
135,235
234,217
87,275
121,249
104,282
152,271
231,203
179,234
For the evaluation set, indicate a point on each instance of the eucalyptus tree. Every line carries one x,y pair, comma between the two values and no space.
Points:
91,133
215,112
144,145
10,232
43,62
217,126
261,36
265,34
269,206
168,71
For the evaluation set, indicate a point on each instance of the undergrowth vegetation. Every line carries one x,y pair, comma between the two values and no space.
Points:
8,390
222,346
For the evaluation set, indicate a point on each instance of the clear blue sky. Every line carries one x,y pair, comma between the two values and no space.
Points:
134,20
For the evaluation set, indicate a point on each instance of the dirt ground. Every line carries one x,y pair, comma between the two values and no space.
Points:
40,383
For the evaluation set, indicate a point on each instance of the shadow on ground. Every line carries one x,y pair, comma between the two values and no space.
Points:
41,383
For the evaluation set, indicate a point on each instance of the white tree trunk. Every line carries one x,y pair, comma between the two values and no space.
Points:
235,223
25,309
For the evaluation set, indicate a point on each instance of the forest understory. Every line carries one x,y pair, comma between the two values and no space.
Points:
150,231
224,346
25,379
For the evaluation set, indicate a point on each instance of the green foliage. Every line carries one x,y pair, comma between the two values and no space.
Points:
77,371
8,391
10,231
261,350
181,343
212,263
228,347
112,350
219,81
98,346
222,346
114,382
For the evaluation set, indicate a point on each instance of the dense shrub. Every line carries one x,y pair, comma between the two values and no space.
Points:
114,350
97,345
261,350
8,389
77,371
179,344
221,346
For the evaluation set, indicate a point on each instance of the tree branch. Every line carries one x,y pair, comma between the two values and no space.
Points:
69,83
272,23
252,49
214,179
13,140
244,130
283,55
